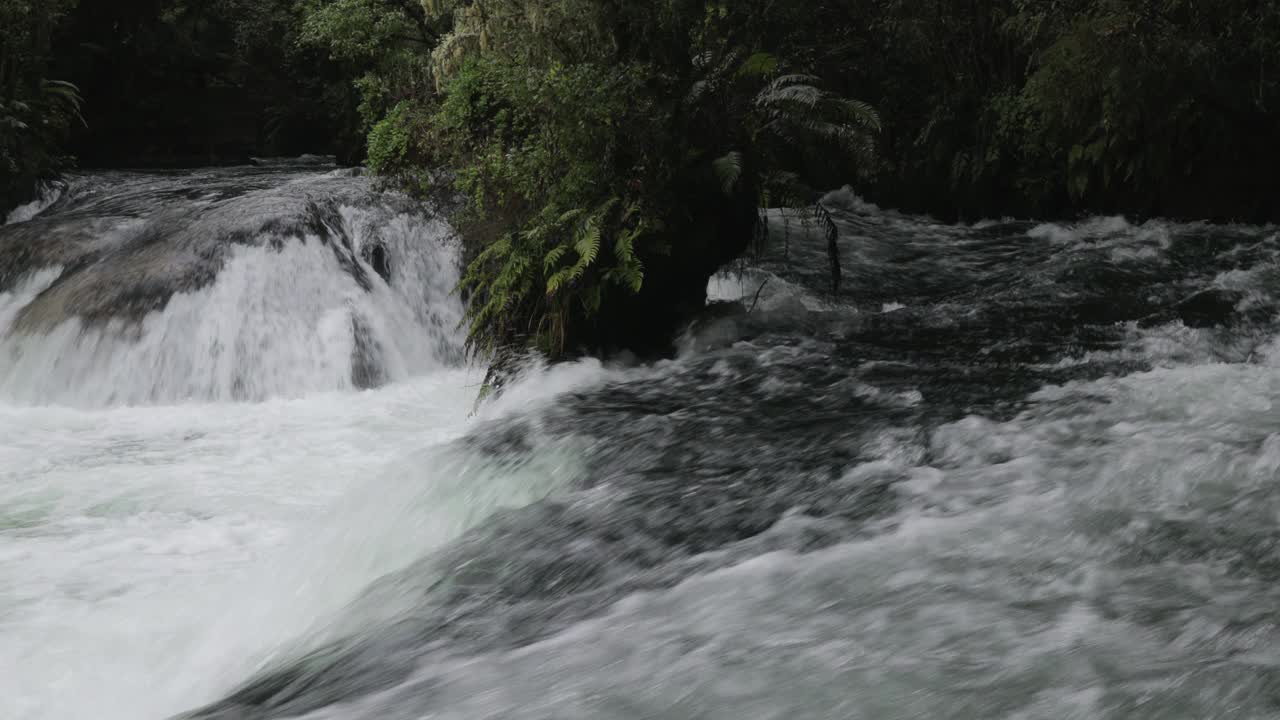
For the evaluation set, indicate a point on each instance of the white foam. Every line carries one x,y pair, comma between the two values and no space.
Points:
159,539
151,557
273,324
726,287
847,198
23,292
1095,227
47,195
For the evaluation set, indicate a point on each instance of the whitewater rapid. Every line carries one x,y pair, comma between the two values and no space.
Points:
154,556
185,493
1016,470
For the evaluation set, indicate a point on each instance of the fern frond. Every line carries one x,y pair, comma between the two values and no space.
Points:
805,95
728,170
570,215
587,244
498,248
860,113
554,257
63,91
606,207
630,271
631,211
557,281
67,94
769,94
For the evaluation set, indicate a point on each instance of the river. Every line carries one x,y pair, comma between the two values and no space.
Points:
1015,470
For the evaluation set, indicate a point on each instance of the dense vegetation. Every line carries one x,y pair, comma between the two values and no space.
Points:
611,153
194,82
36,111
1032,107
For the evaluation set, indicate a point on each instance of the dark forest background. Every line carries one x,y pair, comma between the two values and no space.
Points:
989,107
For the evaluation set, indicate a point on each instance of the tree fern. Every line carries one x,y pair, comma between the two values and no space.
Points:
66,95
807,96
860,113
788,88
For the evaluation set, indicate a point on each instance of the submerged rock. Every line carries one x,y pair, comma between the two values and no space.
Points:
304,160
126,252
380,260
719,325
235,284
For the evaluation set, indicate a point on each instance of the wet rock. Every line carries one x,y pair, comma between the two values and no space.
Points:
719,325
305,160
379,259
505,368
127,243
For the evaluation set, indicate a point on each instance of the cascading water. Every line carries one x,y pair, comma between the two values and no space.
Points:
46,195
206,290
1016,470
183,435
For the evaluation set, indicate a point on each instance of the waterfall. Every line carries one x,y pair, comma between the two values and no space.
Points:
183,290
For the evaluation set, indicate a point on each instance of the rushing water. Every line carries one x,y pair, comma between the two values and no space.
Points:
1015,470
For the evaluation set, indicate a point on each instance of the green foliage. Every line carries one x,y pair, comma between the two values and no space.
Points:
985,107
988,108
388,41
1131,101
36,113
601,148
396,146
591,140
535,154
1043,108
191,82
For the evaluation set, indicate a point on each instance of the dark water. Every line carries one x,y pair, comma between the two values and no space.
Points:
1043,487
1016,470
